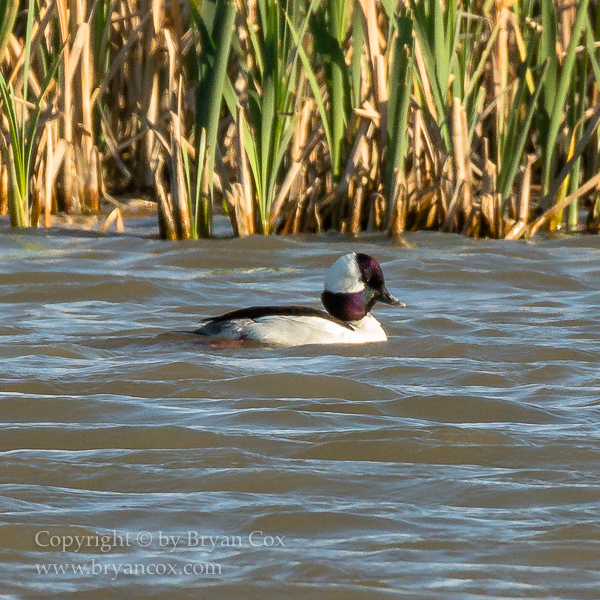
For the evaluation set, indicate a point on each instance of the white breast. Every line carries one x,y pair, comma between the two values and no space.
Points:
302,330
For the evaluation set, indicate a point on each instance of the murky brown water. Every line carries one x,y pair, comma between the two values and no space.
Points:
459,460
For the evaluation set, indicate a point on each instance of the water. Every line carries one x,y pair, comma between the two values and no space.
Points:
459,460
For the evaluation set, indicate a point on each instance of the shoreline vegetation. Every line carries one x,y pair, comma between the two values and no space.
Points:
301,116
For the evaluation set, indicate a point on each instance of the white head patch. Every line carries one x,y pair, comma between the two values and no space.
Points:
344,276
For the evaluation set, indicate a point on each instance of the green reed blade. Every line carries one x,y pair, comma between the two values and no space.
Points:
267,106
263,14
358,41
481,65
251,150
473,113
201,225
9,10
591,51
576,113
27,64
508,140
400,88
211,90
14,159
512,158
314,85
31,137
429,30
547,52
256,49
329,30
188,186
204,21
564,83
272,99
10,111
440,46
337,76
23,131
390,8
286,138
453,28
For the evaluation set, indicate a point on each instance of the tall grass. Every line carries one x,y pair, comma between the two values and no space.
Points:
305,115
23,133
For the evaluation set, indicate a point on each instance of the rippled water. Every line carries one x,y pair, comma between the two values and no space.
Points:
459,460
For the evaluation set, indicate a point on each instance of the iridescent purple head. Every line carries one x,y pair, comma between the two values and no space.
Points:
352,286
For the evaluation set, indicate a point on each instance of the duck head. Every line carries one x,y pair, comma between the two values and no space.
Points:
353,284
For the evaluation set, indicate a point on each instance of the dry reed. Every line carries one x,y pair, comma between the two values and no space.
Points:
478,118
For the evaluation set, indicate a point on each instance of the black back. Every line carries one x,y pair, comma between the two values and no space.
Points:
256,312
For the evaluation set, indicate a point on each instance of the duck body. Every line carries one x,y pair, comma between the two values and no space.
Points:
353,284
292,326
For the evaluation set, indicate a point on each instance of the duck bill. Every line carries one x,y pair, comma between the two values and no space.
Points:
387,298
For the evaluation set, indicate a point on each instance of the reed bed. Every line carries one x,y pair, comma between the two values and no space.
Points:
475,117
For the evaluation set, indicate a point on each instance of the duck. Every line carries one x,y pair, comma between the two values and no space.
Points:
353,284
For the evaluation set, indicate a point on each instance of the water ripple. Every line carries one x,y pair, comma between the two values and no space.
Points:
458,460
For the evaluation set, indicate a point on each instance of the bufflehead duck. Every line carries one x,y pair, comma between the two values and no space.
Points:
352,286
